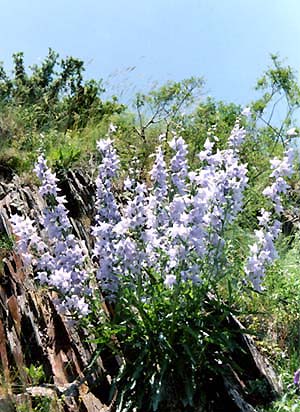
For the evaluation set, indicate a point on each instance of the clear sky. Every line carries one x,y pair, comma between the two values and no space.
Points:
133,43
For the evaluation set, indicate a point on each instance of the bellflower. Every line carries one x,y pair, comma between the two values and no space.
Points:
237,136
60,259
107,216
246,112
263,252
158,175
297,377
170,280
179,167
27,237
292,132
281,169
219,187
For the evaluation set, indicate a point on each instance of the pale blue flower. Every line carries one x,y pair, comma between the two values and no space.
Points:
170,281
246,112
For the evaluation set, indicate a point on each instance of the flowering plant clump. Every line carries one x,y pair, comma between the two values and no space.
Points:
163,261
61,260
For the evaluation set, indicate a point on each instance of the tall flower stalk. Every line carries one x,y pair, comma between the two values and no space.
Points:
107,217
263,251
60,259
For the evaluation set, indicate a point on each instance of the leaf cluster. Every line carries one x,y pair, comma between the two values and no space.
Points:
172,342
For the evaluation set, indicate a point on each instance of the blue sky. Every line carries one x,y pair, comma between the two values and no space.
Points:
134,43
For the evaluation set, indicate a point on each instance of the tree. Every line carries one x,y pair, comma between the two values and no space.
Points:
54,94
